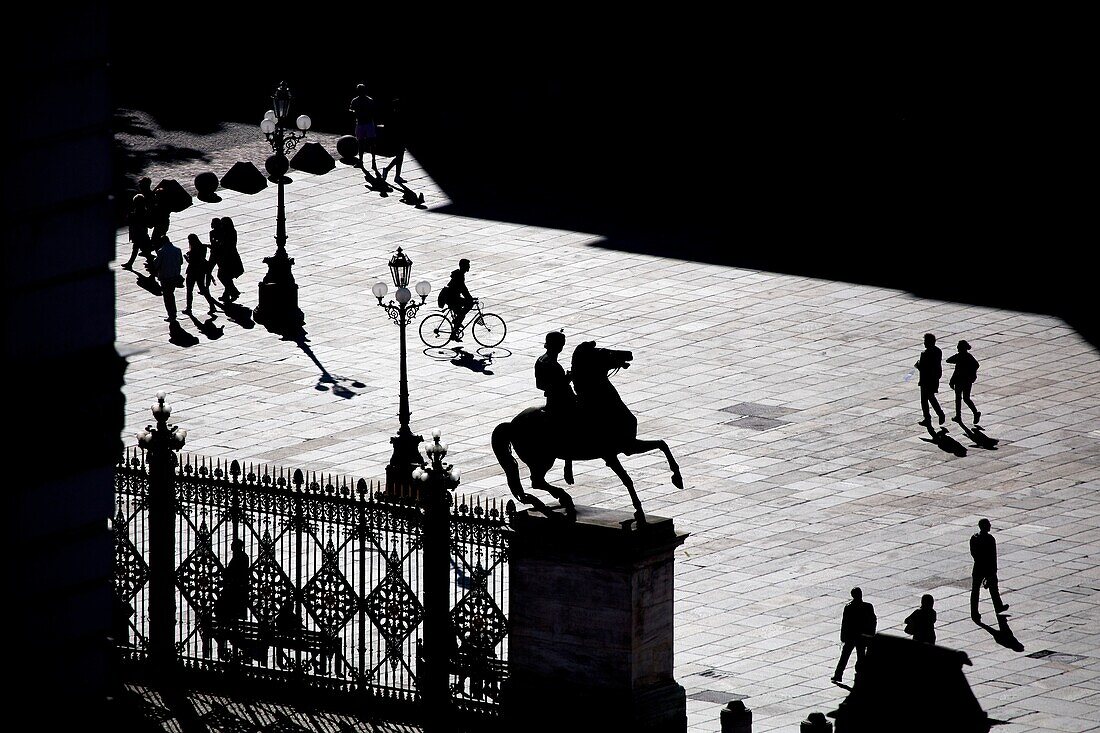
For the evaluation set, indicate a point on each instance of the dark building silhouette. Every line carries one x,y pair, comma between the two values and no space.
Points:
65,412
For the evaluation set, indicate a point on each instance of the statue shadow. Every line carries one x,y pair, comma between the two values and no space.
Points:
342,387
1003,634
179,336
979,438
208,328
474,363
945,442
239,314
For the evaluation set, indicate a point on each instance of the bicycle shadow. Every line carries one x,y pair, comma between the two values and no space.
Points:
475,363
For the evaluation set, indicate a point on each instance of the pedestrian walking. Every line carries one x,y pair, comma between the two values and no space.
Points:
167,268
857,625
930,370
366,128
160,214
921,624
138,225
224,255
983,548
231,605
395,137
962,379
198,272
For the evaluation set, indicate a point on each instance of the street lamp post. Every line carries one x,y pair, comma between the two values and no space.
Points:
406,446
278,296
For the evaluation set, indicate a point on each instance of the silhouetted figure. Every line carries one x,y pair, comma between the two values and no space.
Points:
366,129
983,548
395,134
458,298
856,629
552,379
224,255
138,225
930,372
921,624
232,604
962,379
168,268
160,212
289,623
198,272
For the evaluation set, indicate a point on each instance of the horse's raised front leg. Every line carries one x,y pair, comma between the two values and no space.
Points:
644,446
613,462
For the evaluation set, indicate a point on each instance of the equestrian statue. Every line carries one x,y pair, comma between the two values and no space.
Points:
593,423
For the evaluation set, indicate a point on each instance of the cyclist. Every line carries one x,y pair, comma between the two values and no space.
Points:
459,299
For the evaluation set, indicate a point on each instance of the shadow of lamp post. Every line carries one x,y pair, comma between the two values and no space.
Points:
406,446
160,444
278,296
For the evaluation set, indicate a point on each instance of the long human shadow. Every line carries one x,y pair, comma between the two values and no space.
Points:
208,328
945,442
343,387
979,438
475,363
1003,634
239,314
376,183
179,336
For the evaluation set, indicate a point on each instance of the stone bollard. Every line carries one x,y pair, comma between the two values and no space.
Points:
815,723
736,718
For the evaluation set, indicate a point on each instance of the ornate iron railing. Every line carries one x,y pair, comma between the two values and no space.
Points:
334,596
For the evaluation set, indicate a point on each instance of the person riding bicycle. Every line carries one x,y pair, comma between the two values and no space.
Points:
459,299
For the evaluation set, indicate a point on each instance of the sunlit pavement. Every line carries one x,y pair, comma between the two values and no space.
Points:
790,404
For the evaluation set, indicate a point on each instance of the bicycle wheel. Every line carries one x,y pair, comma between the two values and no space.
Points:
489,329
435,331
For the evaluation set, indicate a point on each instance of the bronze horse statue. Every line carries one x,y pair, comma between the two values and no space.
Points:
600,426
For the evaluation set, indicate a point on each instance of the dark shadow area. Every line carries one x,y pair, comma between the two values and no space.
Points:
342,387
474,363
376,183
979,438
886,151
1003,634
179,336
945,442
147,282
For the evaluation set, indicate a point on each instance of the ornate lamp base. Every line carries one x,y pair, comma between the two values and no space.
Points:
278,295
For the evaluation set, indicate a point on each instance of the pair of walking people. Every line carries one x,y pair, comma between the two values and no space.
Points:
962,380
199,271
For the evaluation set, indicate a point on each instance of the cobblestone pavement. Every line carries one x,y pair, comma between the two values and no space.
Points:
791,404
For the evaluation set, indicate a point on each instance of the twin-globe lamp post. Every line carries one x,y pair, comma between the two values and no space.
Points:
406,450
278,296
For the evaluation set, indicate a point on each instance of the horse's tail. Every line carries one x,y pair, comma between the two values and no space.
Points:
502,446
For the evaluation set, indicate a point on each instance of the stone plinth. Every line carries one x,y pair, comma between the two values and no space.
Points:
591,624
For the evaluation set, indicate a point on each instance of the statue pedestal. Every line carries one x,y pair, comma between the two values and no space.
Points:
591,624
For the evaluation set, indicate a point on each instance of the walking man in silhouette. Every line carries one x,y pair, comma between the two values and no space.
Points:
366,128
858,623
921,624
395,135
459,299
930,372
169,265
962,379
983,548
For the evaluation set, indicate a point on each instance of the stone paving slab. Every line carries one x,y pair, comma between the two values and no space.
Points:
829,483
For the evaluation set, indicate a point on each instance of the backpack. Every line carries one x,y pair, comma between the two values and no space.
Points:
441,301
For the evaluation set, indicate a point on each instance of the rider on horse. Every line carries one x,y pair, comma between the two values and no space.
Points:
553,380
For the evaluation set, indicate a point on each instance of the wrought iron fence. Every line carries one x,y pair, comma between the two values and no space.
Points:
293,575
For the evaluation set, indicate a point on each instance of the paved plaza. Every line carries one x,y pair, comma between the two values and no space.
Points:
790,403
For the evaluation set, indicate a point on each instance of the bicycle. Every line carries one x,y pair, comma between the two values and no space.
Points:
488,329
